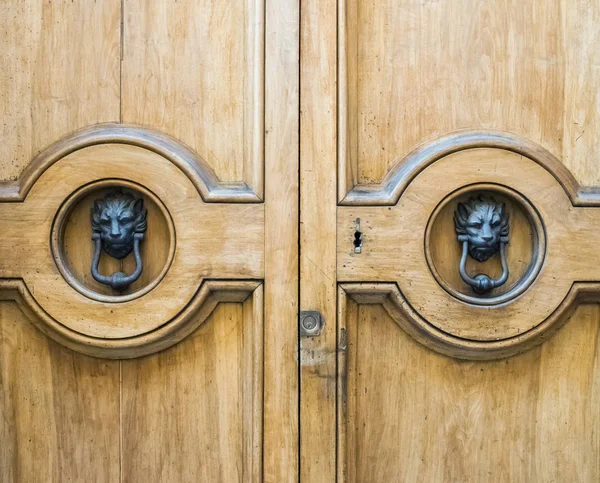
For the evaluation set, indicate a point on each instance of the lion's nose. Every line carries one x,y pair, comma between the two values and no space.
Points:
487,237
114,229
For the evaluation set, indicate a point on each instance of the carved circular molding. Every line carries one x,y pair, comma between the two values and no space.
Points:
559,271
527,236
407,168
520,313
69,219
218,228
196,169
203,303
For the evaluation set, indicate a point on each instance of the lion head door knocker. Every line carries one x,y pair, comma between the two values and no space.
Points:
118,227
481,225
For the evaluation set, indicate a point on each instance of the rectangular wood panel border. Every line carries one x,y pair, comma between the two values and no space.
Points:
135,107
347,125
147,384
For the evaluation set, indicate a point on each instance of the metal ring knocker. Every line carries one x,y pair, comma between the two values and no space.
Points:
118,280
482,227
118,226
481,283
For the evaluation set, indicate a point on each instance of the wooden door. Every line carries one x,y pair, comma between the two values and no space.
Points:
232,237
430,129
168,132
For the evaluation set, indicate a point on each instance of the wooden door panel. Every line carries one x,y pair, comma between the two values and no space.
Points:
195,410
59,412
428,102
205,83
166,101
408,414
52,82
413,71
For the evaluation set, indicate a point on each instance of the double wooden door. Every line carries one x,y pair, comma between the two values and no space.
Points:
327,240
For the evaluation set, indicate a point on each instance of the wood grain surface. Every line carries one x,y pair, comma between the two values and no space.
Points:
53,83
317,239
415,79
412,71
211,98
265,129
408,414
193,75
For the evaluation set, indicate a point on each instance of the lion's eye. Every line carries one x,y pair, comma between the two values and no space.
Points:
104,220
476,224
495,221
127,219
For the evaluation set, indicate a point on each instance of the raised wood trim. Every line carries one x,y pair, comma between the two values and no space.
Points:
406,169
318,216
389,296
201,306
254,166
253,314
196,168
281,250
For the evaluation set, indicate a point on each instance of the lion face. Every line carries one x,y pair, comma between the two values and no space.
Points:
117,218
483,223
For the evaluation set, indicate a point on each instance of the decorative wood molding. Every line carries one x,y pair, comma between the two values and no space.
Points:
201,306
558,269
389,296
406,169
196,169
204,241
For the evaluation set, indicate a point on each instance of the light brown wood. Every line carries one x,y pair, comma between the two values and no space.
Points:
52,82
194,166
388,191
208,388
208,245
259,133
393,247
207,82
317,240
281,285
407,414
433,97
213,152
59,410
410,72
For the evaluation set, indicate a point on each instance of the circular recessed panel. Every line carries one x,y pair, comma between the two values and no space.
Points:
525,251
73,248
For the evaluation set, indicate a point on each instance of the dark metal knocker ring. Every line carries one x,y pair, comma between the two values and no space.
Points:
118,227
481,225
118,280
481,283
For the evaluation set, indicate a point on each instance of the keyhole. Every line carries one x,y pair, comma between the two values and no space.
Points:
358,238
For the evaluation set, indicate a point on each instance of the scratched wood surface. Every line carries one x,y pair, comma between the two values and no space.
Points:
413,70
196,71
60,410
189,412
410,71
201,66
317,239
51,82
409,414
